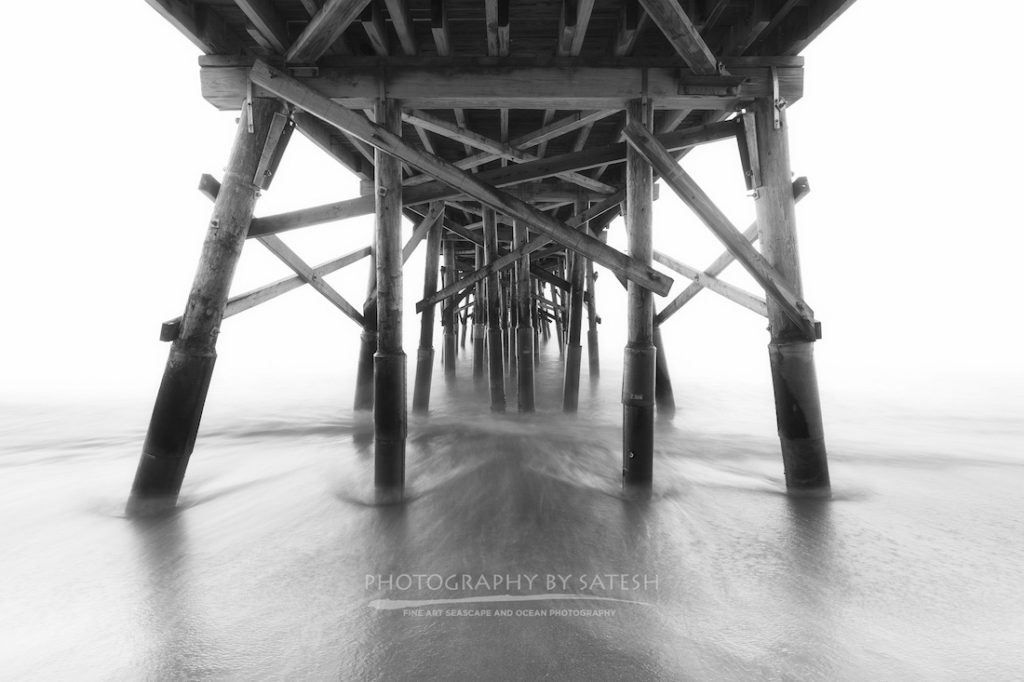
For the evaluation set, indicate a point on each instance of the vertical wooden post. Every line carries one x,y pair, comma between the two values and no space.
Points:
593,351
367,341
573,346
524,329
389,385
425,355
559,297
511,312
449,316
639,361
663,394
797,405
495,361
479,313
182,394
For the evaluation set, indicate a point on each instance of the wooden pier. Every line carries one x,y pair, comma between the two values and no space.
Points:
510,133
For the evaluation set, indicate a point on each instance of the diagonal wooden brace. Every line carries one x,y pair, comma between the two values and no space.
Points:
800,189
694,197
707,281
292,260
358,125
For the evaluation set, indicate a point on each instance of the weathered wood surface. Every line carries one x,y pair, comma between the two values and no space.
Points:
712,283
324,28
527,87
303,270
498,177
801,188
773,282
682,35
314,103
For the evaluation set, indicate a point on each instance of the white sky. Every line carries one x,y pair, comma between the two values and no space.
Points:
910,239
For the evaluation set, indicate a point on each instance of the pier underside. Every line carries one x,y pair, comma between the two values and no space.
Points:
510,135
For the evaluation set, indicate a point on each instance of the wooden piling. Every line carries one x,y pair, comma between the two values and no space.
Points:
593,350
524,328
664,397
389,384
479,312
179,403
573,346
449,316
367,341
495,361
639,361
790,352
425,354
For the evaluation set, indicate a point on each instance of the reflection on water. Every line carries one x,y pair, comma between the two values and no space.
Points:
278,564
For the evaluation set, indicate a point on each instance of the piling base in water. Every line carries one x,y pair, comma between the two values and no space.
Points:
172,428
424,374
798,415
638,415
390,424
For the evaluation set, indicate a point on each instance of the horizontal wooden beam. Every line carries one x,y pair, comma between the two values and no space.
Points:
499,177
267,292
801,188
712,283
692,195
484,86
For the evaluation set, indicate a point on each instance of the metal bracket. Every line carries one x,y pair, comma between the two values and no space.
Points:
778,102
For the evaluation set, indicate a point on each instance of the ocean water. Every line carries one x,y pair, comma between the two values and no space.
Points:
516,555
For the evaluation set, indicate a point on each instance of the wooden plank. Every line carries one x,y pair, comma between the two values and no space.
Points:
200,24
682,35
712,283
372,20
298,94
573,23
497,17
476,85
439,27
323,29
299,266
501,177
267,21
801,188
398,10
694,197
